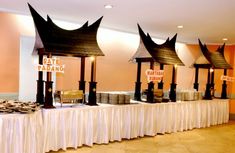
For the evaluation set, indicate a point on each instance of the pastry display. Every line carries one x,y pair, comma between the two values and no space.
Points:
13,106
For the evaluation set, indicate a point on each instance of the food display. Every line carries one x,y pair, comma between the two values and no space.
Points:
13,106
113,98
188,95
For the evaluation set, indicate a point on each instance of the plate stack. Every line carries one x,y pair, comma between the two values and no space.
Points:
98,97
200,95
121,99
104,98
196,95
127,99
113,98
180,96
189,96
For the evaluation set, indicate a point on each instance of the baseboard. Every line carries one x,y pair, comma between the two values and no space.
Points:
9,96
231,116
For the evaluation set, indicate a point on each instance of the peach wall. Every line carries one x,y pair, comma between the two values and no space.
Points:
195,51
114,71
231,88
9,58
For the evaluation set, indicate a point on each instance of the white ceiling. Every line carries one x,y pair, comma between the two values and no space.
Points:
209,20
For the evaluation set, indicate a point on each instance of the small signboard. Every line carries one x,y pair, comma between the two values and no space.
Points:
51,65
154,75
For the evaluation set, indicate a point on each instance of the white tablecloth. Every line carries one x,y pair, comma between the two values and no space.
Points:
73,127
21,133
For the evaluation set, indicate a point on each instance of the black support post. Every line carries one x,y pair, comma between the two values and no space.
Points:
49,90
137,95
92,84
150,95
212,83
82,82
40,82
196,85
208,87
224,87
172,94
160,84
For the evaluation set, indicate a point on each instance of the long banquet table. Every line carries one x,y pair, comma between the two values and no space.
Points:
73,127
54,129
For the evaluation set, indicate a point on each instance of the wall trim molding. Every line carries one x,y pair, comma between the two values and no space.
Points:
10,95
231,116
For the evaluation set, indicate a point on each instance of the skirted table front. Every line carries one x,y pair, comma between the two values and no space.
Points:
21,133
54,129
86,125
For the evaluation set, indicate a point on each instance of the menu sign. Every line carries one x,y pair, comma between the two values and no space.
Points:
51,65
227,78
154,75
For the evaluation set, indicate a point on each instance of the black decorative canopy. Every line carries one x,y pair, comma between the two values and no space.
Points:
81,42
201,62
142,54
164,53
216,58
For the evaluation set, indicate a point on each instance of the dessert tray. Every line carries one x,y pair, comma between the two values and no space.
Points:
14,106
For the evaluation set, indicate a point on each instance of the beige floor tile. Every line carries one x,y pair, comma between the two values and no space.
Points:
216,139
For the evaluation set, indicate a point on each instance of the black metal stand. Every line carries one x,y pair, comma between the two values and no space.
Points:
49,89
212,84
224,91
49,98
92,85
208,87
82,85
208,92
160,84
172,94
92,94
40,95
40,82
224,87
137,95
150,95
82,82
196,85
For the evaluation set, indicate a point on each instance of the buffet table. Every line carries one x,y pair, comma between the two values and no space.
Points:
86,125
54,129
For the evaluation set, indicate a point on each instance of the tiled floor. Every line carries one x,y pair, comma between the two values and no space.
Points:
216,139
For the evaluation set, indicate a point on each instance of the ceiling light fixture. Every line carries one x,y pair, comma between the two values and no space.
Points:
108,6
225,39
180,26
